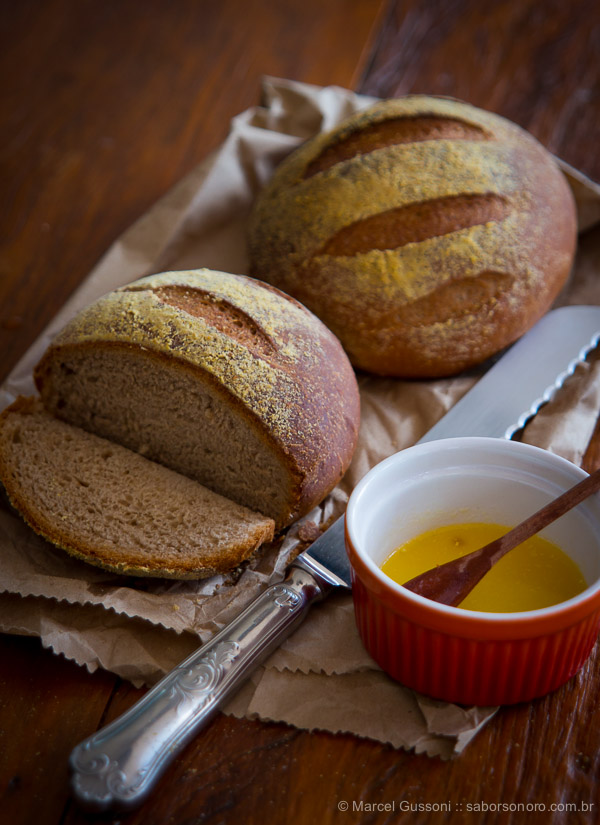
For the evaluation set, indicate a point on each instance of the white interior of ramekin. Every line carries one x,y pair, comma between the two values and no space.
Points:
470,479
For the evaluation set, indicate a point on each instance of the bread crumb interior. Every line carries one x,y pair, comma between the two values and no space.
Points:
168,415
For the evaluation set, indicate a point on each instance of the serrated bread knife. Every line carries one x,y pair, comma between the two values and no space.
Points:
117,767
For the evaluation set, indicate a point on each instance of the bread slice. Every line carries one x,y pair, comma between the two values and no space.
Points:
111,507
220,377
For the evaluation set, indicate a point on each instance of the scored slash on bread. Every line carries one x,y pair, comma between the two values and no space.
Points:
231,399
426,233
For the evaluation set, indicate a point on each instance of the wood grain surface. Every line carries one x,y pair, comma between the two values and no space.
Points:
107,105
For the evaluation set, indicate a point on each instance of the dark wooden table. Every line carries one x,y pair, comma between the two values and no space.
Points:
105,105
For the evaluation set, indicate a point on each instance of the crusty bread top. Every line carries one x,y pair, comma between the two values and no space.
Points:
377,219
269,355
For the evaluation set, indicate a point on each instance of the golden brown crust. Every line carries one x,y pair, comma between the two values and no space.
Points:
426,233
263,352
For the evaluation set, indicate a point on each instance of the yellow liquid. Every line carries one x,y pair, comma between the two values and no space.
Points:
535,574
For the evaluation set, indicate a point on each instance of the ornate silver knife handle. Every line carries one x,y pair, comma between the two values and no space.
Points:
117,767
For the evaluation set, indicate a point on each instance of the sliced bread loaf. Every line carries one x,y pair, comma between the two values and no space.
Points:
219,377
113,508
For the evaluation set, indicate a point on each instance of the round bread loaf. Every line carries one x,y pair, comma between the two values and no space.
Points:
217,376
426,233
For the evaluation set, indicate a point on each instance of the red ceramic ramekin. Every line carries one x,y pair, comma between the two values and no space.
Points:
460,655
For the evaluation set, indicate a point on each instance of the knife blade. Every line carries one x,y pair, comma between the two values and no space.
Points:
513,390
118,766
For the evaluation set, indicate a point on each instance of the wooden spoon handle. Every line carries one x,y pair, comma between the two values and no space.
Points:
452,582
